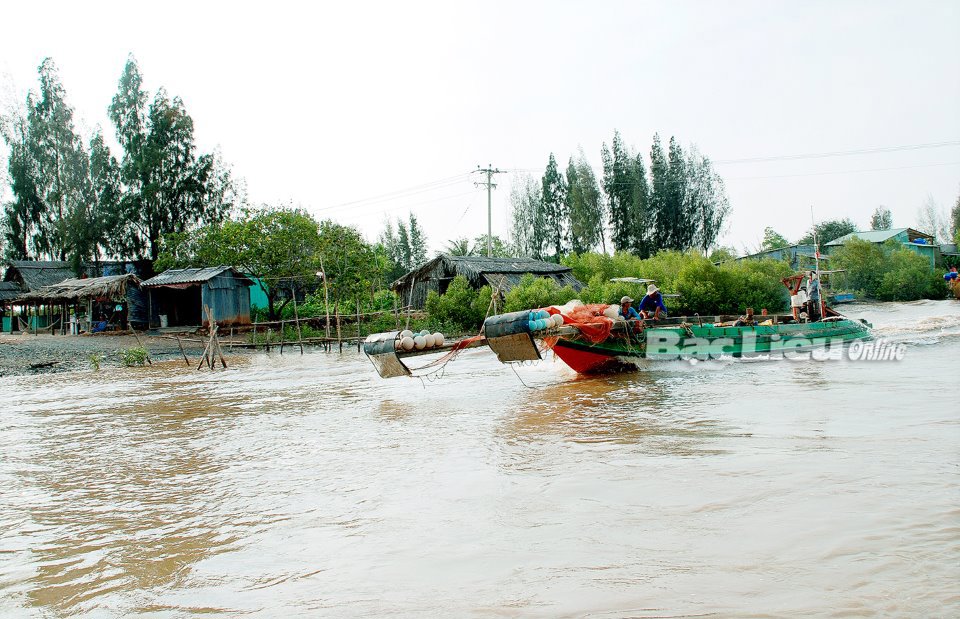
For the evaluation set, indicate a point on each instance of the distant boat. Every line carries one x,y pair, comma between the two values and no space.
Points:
841,297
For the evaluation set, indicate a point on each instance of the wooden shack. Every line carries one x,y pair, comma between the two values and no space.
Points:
499,273
177,297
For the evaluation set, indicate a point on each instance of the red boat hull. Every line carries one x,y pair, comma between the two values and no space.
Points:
585,360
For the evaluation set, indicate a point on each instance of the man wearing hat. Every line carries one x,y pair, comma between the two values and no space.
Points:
652,304
626,309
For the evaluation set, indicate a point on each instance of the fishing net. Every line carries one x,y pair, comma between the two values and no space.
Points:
589,320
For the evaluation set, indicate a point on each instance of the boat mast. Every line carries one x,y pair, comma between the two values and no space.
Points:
816,255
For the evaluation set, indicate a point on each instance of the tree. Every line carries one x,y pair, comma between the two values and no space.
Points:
679,232
501,249
955,218
281,247
23,214
526,231
627,192
933,220
660,206
828,231
405,249
60,171
553,209
418,244
459,247
881,219
724,254
349,263
705,203
585,206
169,187
773,240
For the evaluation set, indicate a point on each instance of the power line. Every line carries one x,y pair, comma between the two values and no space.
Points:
908,167
840,153
402,193
415,204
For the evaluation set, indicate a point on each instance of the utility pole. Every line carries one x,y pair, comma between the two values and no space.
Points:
489,171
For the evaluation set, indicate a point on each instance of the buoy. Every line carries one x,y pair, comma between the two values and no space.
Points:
429,340
438,339
406,333
557,320
406,343
424,333
532,324
419,342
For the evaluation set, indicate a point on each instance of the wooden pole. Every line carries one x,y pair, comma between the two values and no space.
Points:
269,335
336,311
396,315
182,351
326,296
296,317
358,325
254,335
282,337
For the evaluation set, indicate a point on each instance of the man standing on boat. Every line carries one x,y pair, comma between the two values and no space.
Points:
813,296
652,304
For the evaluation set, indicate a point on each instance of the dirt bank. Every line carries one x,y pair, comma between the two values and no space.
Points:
34,354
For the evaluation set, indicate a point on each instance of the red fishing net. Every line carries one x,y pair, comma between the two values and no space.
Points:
589,320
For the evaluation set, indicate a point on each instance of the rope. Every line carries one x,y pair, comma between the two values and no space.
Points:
517,374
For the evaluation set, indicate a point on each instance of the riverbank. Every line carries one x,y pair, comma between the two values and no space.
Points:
26,354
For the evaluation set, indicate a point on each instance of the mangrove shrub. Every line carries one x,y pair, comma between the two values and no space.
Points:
888,272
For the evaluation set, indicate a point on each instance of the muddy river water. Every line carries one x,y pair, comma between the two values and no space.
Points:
308,487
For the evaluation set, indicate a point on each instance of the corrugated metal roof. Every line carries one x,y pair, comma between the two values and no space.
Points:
874,236
880,236
191,276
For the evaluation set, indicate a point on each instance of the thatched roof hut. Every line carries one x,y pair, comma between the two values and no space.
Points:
9,291
32,275
499,273
113,287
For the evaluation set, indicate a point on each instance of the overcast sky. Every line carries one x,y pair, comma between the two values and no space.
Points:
330,105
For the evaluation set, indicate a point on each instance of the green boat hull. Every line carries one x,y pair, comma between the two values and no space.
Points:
706,342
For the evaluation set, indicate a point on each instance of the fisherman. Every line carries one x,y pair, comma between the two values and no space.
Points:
626,309
798,299
652,304
747,320
952,276
813,296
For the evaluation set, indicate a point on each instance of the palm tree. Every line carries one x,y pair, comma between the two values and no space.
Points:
458,247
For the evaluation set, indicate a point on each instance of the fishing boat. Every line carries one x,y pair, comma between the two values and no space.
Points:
591,340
